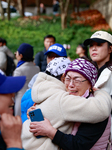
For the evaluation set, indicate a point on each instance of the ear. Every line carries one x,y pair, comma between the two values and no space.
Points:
63,78
110,49
21,55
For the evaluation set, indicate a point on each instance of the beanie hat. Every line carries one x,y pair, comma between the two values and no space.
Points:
26,50
58,66
99,37
57,49
85,68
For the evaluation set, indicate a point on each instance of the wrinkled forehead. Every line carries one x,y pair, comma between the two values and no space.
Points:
74,74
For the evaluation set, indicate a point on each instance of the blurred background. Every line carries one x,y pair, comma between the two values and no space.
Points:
74,21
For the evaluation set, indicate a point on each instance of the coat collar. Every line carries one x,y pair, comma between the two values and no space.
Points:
103,78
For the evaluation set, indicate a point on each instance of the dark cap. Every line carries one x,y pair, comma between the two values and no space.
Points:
11,84
26,50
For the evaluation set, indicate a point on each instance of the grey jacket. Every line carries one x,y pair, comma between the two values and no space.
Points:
27,69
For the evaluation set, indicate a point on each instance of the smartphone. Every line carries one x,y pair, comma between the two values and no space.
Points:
36,115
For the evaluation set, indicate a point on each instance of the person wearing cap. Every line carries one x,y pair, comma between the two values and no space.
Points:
54,51
100,49
10,126
63,109
41,59
25,67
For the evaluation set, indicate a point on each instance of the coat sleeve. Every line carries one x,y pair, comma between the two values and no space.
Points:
86,137
92,110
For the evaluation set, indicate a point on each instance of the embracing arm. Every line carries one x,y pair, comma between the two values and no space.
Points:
86,137
87,134
92,110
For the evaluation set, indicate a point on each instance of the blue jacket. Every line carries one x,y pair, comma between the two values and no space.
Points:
26,103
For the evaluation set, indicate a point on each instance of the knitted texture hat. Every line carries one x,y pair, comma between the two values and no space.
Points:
26,50
58,66
85,68
57,49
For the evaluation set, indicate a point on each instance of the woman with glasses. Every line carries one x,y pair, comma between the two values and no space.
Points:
66,110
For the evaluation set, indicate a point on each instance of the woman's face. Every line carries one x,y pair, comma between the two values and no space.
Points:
99,52
80,51
18,56
76,84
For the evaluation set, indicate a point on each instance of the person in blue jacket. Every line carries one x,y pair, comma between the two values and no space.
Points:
10,126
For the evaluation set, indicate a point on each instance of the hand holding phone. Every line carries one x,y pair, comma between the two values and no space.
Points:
36,115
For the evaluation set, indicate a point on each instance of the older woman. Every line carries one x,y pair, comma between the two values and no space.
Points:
60,107
80,77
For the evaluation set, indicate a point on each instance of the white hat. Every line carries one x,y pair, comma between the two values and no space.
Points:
99,37
58,66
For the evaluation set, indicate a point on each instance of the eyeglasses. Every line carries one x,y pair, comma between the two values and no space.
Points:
75,81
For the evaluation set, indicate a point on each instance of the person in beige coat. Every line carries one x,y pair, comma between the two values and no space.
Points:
25,67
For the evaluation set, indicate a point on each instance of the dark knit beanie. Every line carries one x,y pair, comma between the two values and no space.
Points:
26,50
85,68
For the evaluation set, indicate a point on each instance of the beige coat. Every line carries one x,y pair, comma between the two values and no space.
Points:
61,108
104,81
27,69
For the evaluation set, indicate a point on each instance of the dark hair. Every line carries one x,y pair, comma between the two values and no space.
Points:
84,48
3,41
52,54
109,63
109,44
57,77
49,36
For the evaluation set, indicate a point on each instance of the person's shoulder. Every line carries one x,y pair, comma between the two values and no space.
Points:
40,53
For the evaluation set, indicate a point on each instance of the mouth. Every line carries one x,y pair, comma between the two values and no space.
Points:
11,107
94,54
73,92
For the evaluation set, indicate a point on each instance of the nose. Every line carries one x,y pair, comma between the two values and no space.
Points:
93,47
71,84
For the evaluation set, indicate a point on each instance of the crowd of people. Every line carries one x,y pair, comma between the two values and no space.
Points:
75,97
